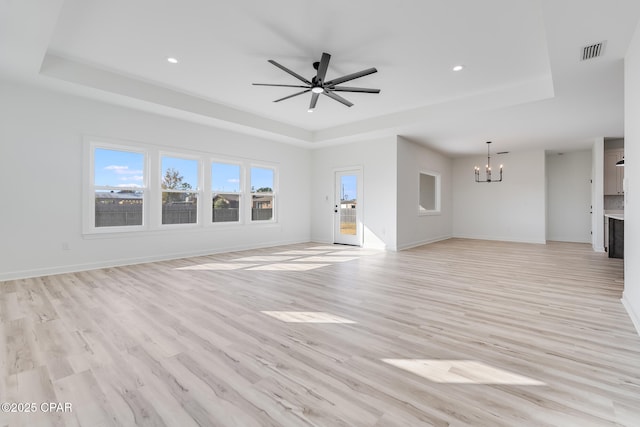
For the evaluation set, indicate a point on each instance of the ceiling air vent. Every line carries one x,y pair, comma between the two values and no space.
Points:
593,51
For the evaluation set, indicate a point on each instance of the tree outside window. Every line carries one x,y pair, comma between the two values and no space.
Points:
179,191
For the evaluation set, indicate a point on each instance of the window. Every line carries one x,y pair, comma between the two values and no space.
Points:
179,185
429,201
262,194
118,188
225,192
139,187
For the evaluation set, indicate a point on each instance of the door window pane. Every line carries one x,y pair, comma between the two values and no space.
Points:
348,203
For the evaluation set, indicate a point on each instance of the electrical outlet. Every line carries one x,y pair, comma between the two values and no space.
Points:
65,246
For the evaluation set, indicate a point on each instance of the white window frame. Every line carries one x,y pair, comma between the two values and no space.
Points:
90,188
152,191
437,195
241,194
198,190
250,194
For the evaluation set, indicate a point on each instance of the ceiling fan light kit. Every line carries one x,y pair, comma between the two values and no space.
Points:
318,86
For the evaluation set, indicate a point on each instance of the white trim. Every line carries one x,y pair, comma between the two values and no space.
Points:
499,239
198,158
321,241
360,218
597,195
242,199
74,268
635,317
273,193
89,146
422,242
238,163
152,192
199,190
438,195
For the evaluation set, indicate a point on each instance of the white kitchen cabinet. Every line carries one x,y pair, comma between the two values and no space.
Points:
613,175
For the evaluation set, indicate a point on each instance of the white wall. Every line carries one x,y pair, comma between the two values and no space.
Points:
414,229
511,210
41,137
631,296
569,197
378,162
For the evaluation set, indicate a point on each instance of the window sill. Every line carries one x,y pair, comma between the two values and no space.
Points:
429,213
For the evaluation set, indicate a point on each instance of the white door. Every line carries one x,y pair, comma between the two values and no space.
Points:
348,208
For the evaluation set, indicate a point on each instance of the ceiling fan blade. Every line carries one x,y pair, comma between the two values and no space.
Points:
338,98
350,77
291,96
269,84
322,68
293,73
354,89
314,100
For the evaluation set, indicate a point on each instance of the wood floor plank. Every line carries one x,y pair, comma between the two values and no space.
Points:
186,342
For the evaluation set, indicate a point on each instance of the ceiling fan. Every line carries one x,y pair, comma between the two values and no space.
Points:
318,85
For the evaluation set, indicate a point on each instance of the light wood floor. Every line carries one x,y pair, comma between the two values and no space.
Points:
456,333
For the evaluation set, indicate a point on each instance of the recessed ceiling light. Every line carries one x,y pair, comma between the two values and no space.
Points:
172,60
458,67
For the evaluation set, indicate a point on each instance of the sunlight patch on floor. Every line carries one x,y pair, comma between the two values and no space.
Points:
288,267
326,258
306,317
460,372
301,252
327,247
264,258
358,252
292,260
217,266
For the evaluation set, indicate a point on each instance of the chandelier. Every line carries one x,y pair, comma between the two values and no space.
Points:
487,169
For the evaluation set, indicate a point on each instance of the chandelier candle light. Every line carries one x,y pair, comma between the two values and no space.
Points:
487,169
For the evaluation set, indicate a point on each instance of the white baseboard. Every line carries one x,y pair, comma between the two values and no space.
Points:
74,268
365,245
422,242
500,239
635,317
322,241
